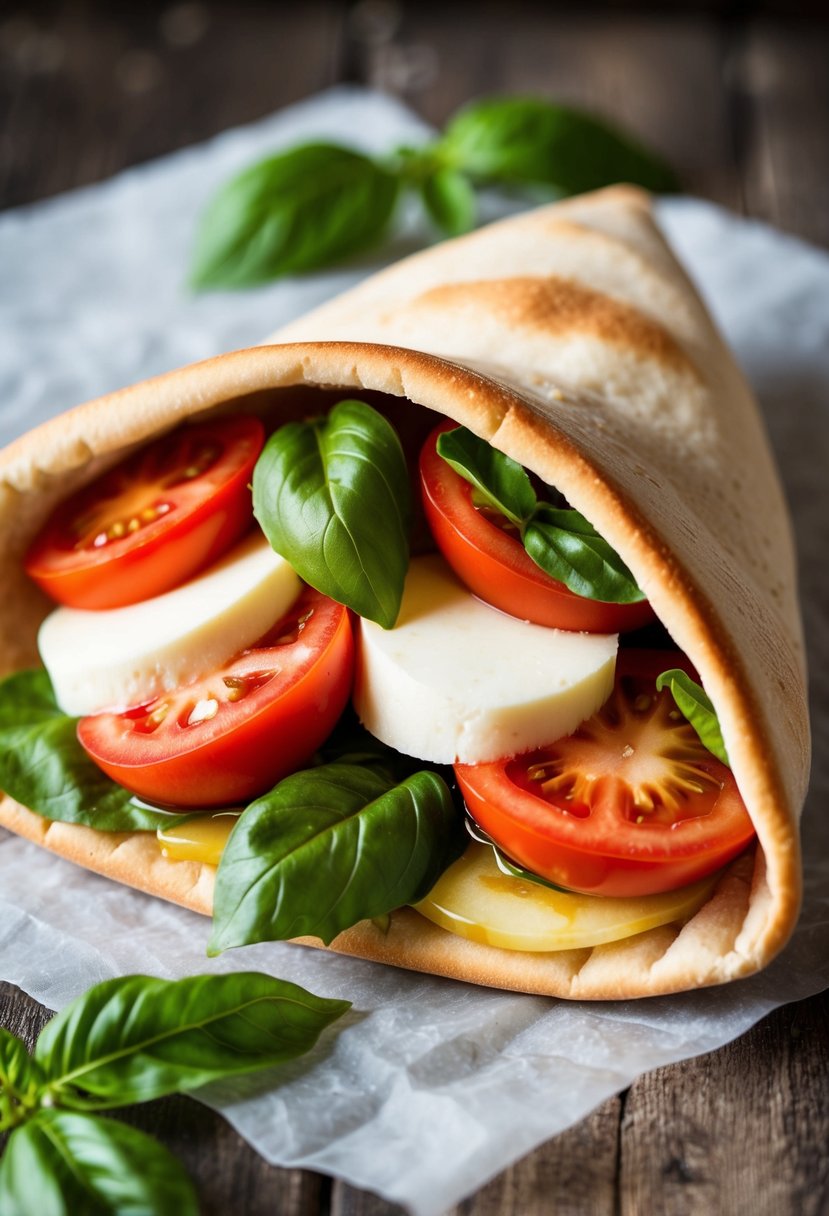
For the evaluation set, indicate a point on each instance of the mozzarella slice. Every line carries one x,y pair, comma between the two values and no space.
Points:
458,680
125,656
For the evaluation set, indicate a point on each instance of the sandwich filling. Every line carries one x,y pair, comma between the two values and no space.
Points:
277,688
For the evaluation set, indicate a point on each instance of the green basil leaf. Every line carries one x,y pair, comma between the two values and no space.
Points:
136,1038
502,481
67,1164
307,207
44,767
18,1070
694,704
20,1080
332,496
450,201
570,549
329,847
529,140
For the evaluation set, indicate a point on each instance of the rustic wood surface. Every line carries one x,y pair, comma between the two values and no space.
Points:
739,102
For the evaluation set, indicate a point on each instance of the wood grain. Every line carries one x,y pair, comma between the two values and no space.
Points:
739,103
780,72
88,88
743,1130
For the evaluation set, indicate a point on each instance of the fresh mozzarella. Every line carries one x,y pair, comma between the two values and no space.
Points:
125,656
458,680
474,899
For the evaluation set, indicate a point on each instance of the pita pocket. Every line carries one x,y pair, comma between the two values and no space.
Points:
571,339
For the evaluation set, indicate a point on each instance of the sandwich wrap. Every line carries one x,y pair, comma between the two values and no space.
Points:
570,339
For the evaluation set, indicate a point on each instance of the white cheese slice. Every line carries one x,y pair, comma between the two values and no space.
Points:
458,680
125,656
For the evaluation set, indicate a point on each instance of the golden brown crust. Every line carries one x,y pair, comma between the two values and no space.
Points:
635,410
556,306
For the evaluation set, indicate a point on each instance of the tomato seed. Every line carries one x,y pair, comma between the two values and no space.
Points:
203,711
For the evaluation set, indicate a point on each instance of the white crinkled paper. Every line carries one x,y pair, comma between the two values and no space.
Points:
429,1087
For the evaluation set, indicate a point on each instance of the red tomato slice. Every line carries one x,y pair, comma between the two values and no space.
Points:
631,804
153,521
237,731
493,563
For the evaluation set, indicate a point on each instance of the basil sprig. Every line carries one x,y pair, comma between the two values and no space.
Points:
561,542
694,704
318,203
44,767
332,496
329,847
130,1040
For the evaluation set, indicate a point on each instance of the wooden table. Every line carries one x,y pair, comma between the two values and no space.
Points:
739,102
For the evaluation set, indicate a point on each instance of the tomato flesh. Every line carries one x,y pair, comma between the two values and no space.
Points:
494,564
153,521
237,731
630,804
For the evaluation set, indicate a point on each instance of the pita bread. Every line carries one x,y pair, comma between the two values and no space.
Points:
570,338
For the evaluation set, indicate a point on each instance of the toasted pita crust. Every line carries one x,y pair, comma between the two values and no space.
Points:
571,339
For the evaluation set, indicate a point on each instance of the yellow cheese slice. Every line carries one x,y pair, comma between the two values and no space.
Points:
474,899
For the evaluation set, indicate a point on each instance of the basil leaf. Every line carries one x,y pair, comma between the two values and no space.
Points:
694,704
570,549
20,1079
560,541
529,140
332,496
450,201
64,1164
135,1038
329,847
502,481
304,208
17,1069
44,767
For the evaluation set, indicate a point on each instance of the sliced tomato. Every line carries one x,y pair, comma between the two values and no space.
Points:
234,733
631,804
153,521
487,555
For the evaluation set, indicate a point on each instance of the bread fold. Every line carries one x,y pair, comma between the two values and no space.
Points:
571,339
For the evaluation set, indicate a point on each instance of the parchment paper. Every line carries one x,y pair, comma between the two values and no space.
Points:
430,1087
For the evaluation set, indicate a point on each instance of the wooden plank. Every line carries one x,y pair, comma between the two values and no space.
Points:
92,88
743,1130
551,1179
779,76
658,75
